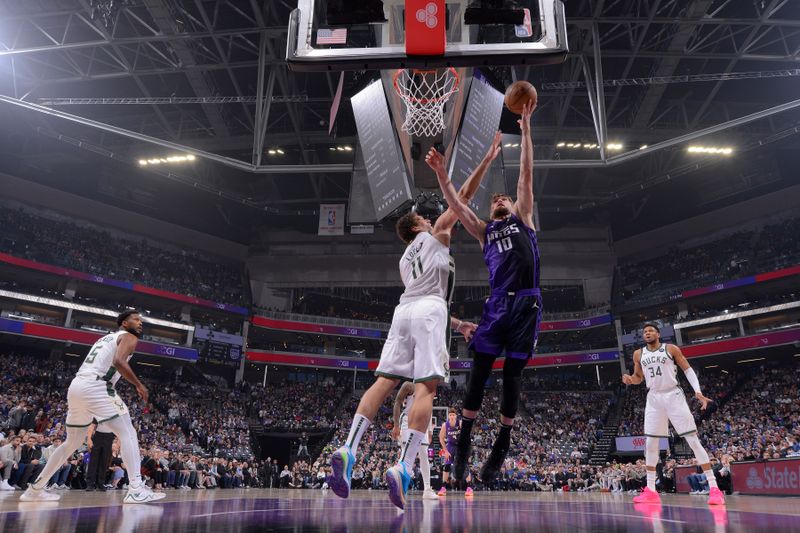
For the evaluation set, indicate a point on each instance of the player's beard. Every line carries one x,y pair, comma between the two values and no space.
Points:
133,332
500,212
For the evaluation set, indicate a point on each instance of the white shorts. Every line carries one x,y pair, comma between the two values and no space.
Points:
664,407
92,399
417,345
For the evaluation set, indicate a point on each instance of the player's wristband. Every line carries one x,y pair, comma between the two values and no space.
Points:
691,377
458,326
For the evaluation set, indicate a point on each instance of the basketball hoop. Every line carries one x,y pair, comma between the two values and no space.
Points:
424,93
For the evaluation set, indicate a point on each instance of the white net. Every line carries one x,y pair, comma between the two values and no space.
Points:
424,93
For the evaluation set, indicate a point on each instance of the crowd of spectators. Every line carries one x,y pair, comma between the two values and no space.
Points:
740,254
762,419
293,406
94,250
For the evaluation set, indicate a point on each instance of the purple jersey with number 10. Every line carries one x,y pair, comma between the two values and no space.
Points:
511,253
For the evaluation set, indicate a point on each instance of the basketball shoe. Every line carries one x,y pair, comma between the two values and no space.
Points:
647,496
342,462
142,494
716,497
398,480
38,495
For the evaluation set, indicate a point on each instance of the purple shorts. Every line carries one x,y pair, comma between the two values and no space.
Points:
510,323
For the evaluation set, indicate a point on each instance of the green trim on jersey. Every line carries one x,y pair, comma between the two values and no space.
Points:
429,378
78,425
107,419
392,376
109,374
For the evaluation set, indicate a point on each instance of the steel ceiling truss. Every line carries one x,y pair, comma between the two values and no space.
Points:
189,38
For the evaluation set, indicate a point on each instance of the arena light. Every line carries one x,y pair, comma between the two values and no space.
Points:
714,150
167,159
561,144
752,360
642,147
614,146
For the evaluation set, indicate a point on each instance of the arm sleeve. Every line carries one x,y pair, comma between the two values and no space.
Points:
692,378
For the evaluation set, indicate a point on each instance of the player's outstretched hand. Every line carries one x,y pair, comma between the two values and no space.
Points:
467,329
494,149
435,160
627,379
525,119
144,394
703,400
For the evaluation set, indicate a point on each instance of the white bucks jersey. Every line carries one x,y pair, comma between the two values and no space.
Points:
100,360
660,372
427,269
407,411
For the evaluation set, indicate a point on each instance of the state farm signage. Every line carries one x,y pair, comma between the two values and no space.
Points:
780,476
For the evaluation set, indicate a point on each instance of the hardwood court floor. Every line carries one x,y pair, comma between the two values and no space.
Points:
310,510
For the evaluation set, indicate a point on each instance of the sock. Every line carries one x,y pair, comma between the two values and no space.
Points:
357,429
411,448
651,480
425,467
712,480
129,448
503,440
465,433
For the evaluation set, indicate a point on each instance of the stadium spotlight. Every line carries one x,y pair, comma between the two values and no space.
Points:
714,150
167,159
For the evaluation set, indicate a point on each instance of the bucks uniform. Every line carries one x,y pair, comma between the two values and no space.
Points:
417,346
91,394
666,401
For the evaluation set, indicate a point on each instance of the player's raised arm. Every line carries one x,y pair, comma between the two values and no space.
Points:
448,219
125,347
637,376
688,371
524,205
475,226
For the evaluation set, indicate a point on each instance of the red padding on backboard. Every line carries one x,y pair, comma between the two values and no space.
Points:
425,27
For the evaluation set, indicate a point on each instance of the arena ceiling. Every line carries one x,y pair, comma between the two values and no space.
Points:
188,72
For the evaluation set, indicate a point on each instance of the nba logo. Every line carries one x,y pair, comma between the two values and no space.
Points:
331,217
425,27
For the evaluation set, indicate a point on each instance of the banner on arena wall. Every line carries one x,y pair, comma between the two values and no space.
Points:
218,336
637,444
331,219
291,325
87,338
67,272
775,476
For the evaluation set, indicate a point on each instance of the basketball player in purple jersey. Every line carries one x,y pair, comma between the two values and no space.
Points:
512,314
448,435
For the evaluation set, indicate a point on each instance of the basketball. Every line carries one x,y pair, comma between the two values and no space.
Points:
518,94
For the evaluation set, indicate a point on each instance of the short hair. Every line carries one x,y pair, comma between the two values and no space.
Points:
496,195
123,316
405,227
651,325
451,411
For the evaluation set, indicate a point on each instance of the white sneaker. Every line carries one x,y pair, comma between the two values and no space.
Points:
38,495
430,495
5,486
142,495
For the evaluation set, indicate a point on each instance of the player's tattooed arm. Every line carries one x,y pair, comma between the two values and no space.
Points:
638,376
406,390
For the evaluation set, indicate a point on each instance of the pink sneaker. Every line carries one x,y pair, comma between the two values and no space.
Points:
468,493
715,497
647,496
442,491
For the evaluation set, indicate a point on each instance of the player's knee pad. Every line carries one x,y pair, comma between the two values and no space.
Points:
512,379
699,452
651,451
481,369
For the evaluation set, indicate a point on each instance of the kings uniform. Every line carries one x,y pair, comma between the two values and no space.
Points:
418,345
513,312
666,402
91,395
